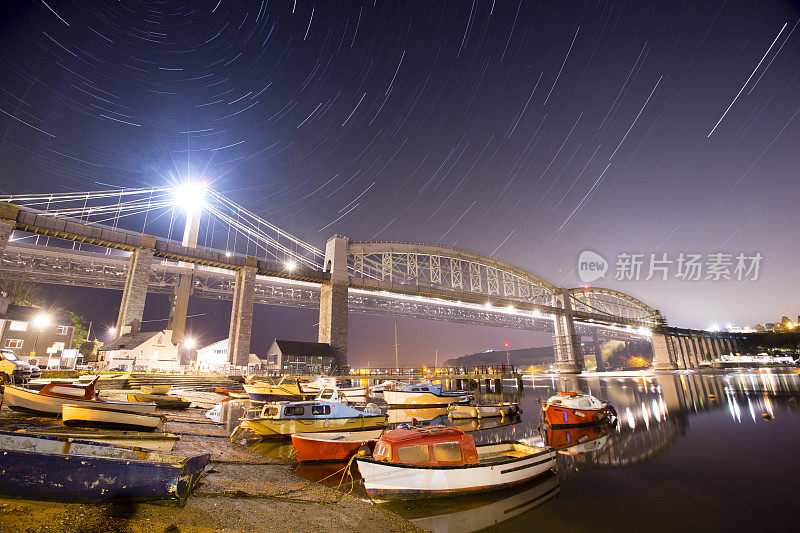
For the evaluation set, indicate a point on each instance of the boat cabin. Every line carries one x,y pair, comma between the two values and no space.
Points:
308,410
575,400
431,446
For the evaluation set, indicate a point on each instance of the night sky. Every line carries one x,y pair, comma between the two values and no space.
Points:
526,131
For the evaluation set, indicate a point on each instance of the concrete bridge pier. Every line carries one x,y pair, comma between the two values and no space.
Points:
131,308
598,355
8,220
333,299
180,300
566,343
663,355
242,313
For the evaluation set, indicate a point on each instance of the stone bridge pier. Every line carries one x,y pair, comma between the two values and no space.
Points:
566,343
131,308
333,304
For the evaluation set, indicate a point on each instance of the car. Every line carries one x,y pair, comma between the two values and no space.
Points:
12,370
36,372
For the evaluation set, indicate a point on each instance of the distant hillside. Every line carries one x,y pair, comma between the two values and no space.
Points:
523,358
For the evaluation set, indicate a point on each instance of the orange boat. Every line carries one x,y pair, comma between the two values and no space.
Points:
578,441
575,409
332,446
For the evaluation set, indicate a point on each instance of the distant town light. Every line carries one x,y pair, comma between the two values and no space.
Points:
713,327
227,254
41,321
191,196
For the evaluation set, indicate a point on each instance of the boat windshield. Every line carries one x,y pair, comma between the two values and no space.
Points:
9,355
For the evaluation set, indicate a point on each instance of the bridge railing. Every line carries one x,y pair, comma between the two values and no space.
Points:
435,372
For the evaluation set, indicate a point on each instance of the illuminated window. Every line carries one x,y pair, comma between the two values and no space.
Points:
413,454
17,325
14,343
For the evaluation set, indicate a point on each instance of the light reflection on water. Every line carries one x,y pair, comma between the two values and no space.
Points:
691,450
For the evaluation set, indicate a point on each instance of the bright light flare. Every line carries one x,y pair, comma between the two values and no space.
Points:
189,343
112,331
191,196
42,320
290,265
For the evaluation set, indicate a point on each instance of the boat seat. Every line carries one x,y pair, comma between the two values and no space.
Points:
517,454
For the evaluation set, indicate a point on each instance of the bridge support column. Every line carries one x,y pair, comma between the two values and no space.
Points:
180,302
684,356
663,358
131,308
242,313
8,220
598,355
696,350
566,343
333,305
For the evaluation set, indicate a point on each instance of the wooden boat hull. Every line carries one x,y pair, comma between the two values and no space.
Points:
19,399
274,393
162,401
155,389
162,442
285,427
566,417
495,410
80,416
394,397
387,481
61,469
333,446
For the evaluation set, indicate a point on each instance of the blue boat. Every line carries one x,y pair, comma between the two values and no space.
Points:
39,467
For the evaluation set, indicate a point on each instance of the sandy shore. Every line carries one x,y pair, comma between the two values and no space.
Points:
242,491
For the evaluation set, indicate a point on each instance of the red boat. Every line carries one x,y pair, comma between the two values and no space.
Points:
332,446
575,409
578,441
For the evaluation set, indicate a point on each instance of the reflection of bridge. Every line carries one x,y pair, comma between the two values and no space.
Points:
78,242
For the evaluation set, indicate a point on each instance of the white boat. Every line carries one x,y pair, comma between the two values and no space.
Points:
351,394
424,395
389,384
52,397
483,410
162,442
90,416
440,461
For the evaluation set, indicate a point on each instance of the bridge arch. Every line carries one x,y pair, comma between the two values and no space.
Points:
608,304
423,265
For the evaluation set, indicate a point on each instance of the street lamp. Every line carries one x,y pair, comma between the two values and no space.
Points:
188,343
112,331
40,321
191,196
508,358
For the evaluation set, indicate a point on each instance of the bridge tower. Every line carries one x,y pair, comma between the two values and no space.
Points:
333,299
131,308
566,343
180,299
8,220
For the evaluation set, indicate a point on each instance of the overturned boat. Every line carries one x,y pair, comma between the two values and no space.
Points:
70,470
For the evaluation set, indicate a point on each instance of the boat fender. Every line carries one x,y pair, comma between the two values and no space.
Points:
326,424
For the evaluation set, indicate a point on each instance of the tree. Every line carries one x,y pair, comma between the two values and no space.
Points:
81,334
90,350
22,292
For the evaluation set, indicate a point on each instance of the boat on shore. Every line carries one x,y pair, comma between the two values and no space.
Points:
54,396
332,446
483,410
162,401
287,389
441,461
425,395
162,442
155,389
98,417
575,409
286,418
64,469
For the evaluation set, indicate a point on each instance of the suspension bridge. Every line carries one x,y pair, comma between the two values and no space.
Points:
190,241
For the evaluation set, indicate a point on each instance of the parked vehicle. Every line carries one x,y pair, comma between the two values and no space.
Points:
12,370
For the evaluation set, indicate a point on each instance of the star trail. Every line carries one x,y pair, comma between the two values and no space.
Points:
526,131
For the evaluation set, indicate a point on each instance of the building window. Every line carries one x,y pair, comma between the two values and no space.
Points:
61,330
14,343
17,325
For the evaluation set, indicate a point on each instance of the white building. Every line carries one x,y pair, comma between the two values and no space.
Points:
142,352
214,357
